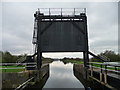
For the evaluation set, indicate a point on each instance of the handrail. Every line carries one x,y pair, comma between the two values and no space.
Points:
95,56
3,64
106,66
118,65
62,11
26,65
22,86
21,59
14,68
104,69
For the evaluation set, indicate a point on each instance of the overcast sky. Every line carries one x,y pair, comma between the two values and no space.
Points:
17,25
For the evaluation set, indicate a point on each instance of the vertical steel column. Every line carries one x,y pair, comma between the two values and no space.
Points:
86,59
85,53
39,52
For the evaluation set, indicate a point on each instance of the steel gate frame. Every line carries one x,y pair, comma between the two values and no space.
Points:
40,17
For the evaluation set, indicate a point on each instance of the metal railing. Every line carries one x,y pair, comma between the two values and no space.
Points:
25,66
62,11
105,58
20,60
22,86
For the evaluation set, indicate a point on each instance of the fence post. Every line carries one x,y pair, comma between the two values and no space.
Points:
105,74
101,73
91,70
115,69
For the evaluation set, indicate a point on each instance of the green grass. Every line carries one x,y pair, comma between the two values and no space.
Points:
96,65
11,66
11,70
103,66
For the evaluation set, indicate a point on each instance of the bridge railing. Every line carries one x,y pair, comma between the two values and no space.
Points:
104,69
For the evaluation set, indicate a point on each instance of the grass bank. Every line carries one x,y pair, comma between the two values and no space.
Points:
12,68
15,68
98,65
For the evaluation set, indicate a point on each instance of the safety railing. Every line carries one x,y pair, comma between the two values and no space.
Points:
103,69
20,60
24,85
16,66
62,11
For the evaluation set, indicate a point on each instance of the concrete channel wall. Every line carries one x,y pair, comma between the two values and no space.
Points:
80,74
41,77
14,80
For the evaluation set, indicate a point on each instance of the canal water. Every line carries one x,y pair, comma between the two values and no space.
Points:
61,76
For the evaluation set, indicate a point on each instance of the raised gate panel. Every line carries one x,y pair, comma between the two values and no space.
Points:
63,37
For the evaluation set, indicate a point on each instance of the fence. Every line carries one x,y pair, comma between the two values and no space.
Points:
62,11
103,69
16,66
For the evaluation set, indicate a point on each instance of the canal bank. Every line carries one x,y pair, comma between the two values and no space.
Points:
93,82
56,75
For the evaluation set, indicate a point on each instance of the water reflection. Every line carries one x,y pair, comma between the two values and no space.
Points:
61,76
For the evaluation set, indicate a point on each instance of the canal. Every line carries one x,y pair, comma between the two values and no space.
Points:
61,76
56,74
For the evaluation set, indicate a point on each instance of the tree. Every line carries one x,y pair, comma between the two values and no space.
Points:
7,57
0,56
109,54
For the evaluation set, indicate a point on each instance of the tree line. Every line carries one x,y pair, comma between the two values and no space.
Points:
109,54
7,57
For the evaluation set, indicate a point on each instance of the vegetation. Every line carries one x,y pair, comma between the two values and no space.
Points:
4,69
98,65
46,60
7,57
72,60
109,54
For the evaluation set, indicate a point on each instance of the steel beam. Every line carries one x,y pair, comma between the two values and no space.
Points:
45,29
86,55
78,27
39,52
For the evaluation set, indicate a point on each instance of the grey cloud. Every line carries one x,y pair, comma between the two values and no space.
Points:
18,23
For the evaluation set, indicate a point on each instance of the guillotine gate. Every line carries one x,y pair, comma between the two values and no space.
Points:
60,30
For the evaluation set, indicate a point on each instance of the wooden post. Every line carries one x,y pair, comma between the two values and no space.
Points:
105,75
101,73
91,70
100,77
